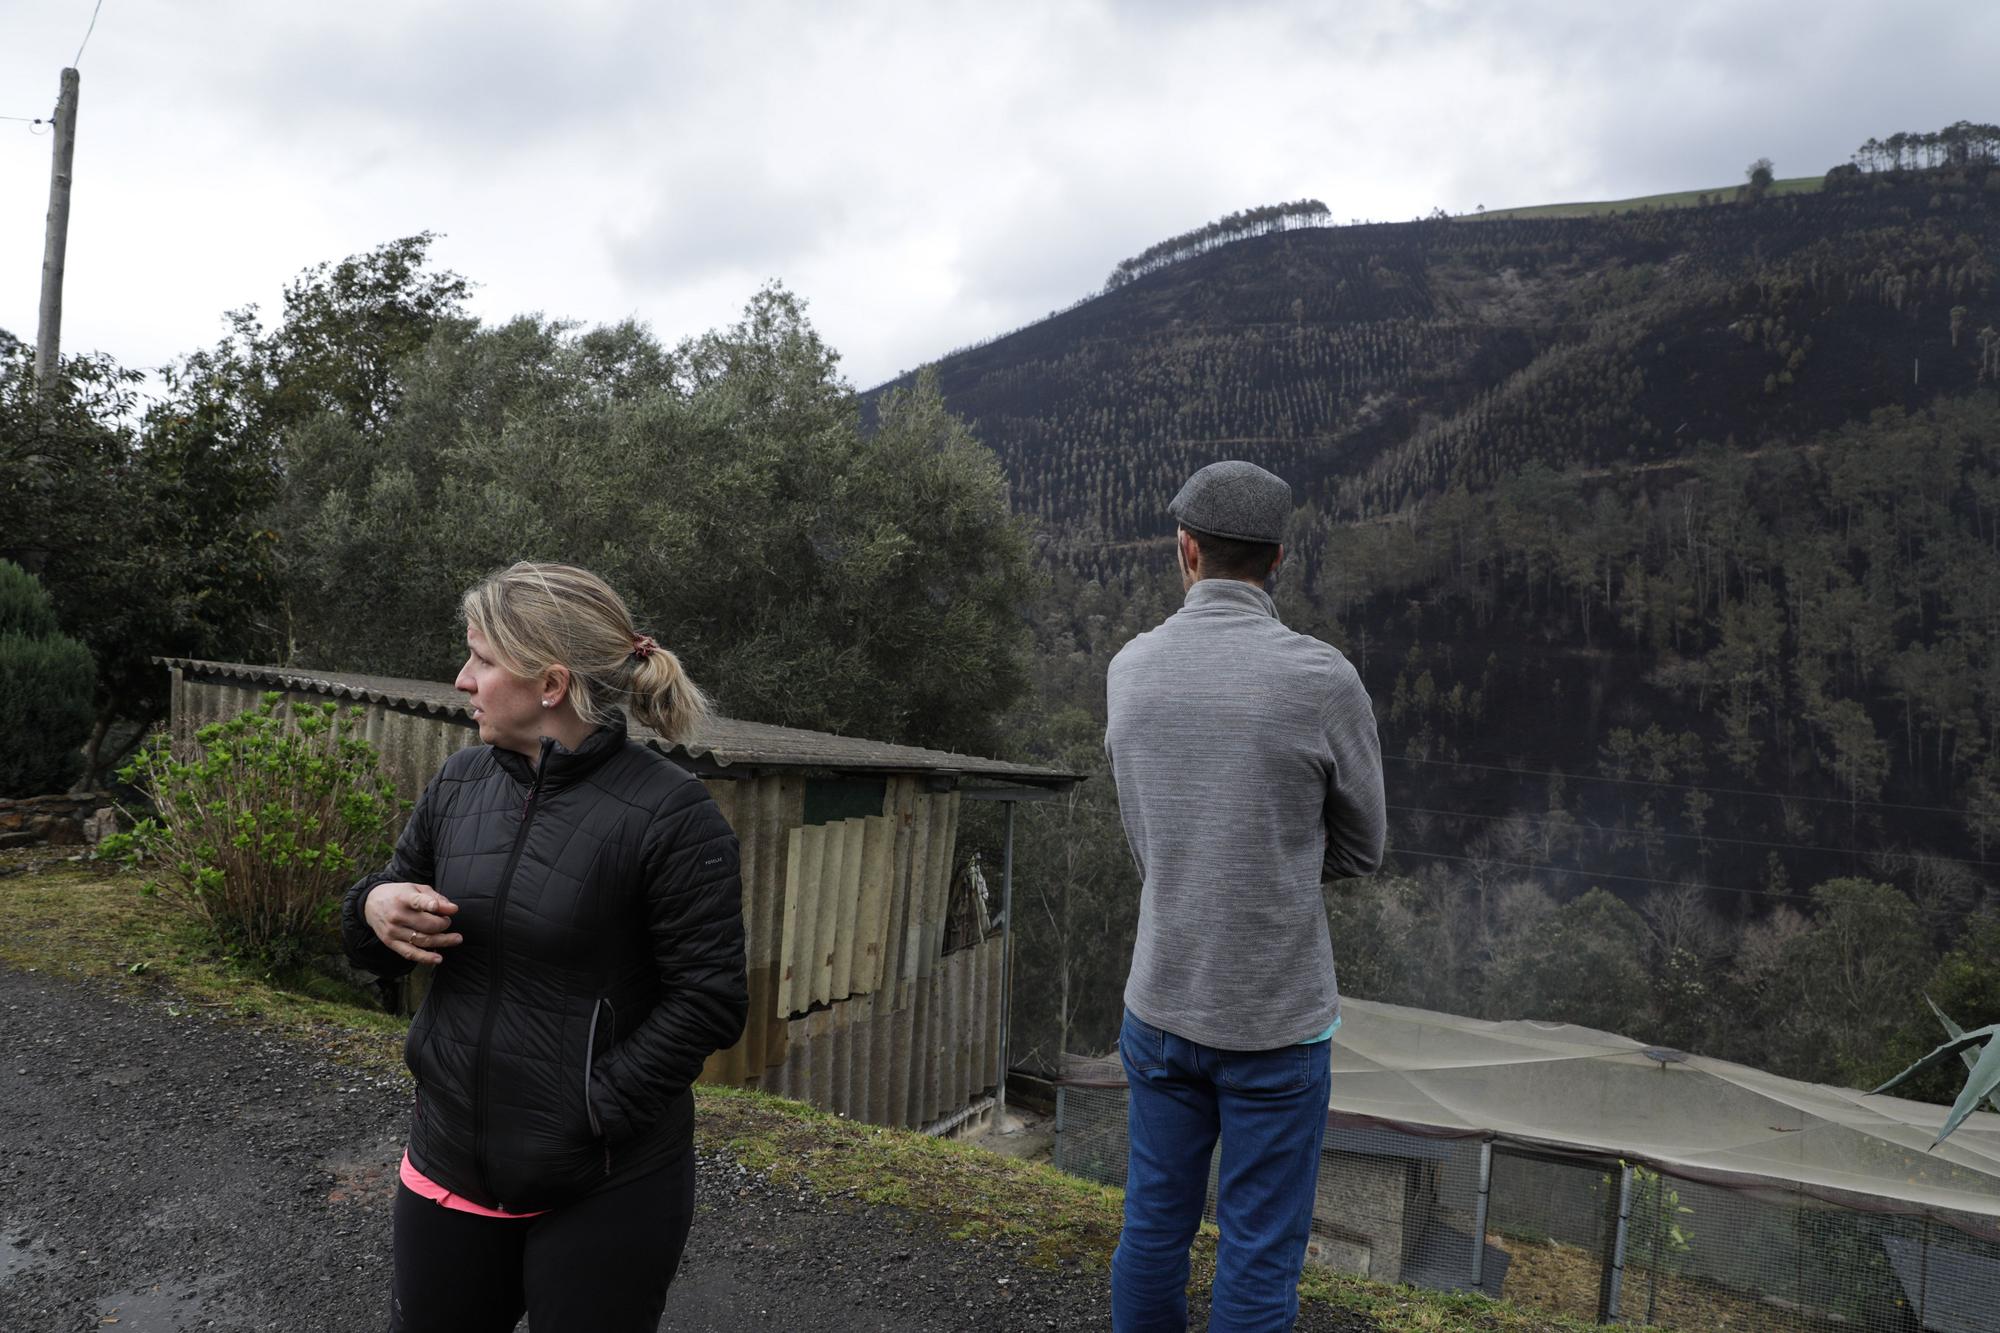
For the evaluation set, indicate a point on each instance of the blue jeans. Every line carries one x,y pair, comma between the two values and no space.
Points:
1269,1109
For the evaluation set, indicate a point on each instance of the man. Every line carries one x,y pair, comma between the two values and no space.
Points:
1247,768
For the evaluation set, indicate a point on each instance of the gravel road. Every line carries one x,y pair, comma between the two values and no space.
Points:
163,1170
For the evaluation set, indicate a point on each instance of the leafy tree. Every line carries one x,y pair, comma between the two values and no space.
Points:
1758,175
1834,1004
1579,963
349,333
812,575
143,527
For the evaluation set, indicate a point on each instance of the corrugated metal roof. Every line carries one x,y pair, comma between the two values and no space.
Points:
727,742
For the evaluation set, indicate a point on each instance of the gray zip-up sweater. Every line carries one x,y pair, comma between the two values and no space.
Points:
1247,768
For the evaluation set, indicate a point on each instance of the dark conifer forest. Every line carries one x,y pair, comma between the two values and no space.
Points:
1668,545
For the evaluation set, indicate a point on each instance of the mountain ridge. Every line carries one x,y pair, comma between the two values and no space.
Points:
1435,351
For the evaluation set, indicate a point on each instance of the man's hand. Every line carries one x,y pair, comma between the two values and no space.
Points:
412,919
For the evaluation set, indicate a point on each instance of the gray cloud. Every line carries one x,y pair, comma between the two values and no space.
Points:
925,175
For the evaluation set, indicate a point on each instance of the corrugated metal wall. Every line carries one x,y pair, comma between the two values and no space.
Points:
853,1005
412,747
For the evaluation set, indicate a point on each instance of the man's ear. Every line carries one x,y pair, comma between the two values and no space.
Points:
1189,551
1276,560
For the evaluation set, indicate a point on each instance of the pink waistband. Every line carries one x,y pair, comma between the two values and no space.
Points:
423,1186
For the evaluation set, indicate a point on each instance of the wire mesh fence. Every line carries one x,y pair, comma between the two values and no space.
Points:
1600,1239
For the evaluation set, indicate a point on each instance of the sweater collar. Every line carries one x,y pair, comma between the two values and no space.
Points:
560,765
1229,595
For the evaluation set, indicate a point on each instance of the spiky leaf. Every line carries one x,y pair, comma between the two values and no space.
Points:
1985,1078
1963,1041
1954,1030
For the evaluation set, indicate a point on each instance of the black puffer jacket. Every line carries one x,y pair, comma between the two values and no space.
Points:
602,964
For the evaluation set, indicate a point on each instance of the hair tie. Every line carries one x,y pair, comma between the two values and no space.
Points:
643,646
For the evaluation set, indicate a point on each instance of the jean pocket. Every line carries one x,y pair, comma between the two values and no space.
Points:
1286,1069
1142,1046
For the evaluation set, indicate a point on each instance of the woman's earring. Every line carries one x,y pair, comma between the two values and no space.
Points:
548,703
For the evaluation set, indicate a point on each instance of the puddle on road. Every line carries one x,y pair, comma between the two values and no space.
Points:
367,1173
149,1310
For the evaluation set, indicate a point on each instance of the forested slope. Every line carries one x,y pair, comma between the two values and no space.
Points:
1378,364
1668,544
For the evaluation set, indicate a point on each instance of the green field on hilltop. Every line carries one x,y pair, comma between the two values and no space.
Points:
1679,199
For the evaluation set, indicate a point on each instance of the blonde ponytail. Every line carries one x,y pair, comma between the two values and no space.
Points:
538,616
665,699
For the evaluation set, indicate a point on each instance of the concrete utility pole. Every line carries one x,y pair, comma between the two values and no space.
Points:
48,337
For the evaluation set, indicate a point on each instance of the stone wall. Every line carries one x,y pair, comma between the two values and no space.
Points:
61,821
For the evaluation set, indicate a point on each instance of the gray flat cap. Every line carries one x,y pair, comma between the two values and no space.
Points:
1235,499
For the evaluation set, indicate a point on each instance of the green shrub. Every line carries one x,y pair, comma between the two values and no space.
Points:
46,684
25,606
259,829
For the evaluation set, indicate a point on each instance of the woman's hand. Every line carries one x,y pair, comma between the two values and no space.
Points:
412,919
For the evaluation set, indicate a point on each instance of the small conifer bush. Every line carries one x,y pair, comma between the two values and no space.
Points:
46,683
258,829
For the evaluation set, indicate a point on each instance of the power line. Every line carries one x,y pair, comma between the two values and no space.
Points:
86,35
1555,770
1630,879
1695,837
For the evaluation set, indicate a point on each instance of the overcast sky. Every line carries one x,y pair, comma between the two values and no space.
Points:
924,173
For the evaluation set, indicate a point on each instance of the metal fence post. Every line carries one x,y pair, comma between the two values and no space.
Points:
1614,1268
1479,1215
1006,970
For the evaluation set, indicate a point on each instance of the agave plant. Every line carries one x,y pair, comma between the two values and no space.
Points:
1985,1067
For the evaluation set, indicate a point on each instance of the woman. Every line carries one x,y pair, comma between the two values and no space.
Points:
578,895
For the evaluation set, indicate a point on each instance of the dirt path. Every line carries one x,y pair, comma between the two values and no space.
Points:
163,1170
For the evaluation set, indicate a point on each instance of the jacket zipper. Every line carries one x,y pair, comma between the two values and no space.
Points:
589,1060
483,1055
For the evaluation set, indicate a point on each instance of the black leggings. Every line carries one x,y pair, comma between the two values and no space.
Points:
600,1264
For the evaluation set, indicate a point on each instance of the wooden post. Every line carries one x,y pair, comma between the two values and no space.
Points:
48,337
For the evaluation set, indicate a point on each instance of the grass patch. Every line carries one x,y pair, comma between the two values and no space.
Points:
1063,1221
88,919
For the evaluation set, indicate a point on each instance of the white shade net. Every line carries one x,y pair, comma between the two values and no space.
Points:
1565,1087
